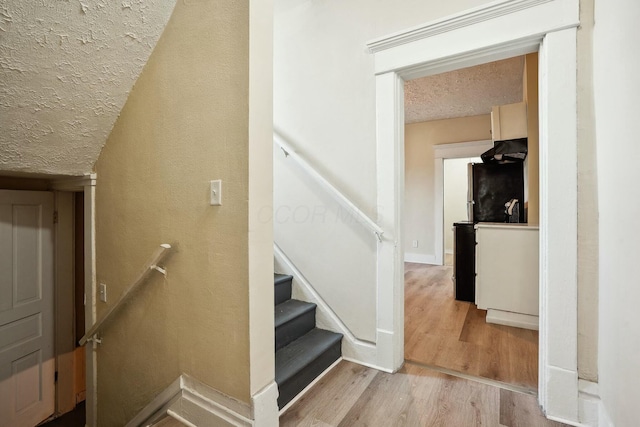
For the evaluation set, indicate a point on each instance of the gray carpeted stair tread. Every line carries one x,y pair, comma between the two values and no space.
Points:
281,278
282,288
290,309
293,319
293,358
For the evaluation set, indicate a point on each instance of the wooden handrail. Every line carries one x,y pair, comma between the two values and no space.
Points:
361,217
150,266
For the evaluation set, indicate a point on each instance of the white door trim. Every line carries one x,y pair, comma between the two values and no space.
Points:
90,300
441,152
550,27
87,184
64,302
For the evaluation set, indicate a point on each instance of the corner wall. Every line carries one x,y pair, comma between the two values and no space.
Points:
615,88
185,123
587,201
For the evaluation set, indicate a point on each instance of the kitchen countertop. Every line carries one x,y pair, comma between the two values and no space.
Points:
507,225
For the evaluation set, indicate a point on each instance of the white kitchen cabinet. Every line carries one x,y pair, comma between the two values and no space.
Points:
509,121
507,273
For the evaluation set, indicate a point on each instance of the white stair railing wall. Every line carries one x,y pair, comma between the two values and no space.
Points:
330,246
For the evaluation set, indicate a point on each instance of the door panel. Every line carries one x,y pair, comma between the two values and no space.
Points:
27,364
26,248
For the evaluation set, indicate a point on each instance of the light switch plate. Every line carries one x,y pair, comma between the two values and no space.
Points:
216,192
415,243
103,292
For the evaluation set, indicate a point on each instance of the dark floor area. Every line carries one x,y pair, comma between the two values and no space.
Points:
75,418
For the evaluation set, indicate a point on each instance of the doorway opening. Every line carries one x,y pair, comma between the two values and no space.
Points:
48,212
444,326
79,354
474,37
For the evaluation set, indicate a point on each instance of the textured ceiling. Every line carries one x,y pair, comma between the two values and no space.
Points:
466,92
66,68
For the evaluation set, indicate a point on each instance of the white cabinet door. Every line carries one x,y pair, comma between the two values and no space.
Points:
509,121
27,365
507,268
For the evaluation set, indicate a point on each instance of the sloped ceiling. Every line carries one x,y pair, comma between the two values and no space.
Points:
466,92
66,68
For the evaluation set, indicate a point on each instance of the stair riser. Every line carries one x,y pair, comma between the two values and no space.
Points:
295,328
290,388
282,292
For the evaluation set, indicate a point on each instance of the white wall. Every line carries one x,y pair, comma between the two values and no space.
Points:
262,363
587,202
616,88
456,185
324,104
324,88
334,253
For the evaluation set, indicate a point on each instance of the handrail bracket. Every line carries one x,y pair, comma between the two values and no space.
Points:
159,269
94,339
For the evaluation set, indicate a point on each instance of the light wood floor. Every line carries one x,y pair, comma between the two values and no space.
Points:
353,395
169,422
443,332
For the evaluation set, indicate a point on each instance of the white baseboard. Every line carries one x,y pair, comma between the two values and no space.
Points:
158,407
591,410
588,403
195,403
516,320
265,406
420,258
604,420
353,349
561,404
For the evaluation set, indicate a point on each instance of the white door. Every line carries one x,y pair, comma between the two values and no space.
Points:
27,365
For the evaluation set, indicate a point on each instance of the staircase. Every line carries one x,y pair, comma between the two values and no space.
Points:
302,351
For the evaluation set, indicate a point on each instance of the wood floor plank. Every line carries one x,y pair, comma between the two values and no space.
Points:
442,351
387,401
520,410
454,401
414,396
332,397
441,331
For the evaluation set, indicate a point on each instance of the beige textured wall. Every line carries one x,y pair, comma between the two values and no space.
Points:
186,122
419,169
530,88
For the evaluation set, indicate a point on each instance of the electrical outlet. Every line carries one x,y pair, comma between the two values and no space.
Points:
415,243
103,292
216,192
